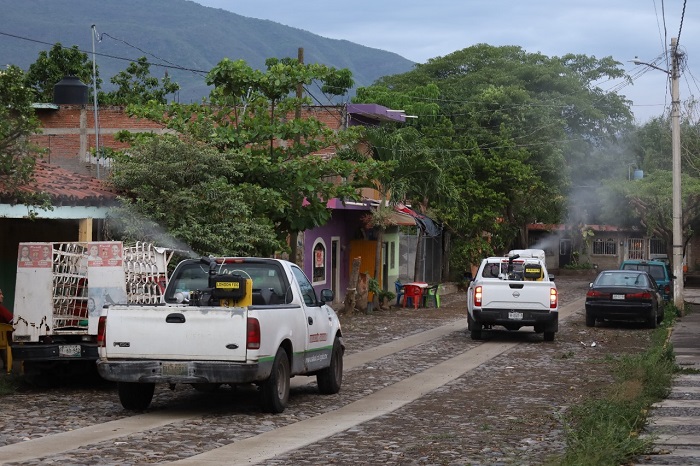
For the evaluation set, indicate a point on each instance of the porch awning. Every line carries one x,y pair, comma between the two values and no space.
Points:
428,225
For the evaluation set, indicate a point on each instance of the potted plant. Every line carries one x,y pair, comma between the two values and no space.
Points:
385,297
372,289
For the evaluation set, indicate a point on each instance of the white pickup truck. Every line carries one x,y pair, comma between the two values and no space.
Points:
513,292
224,321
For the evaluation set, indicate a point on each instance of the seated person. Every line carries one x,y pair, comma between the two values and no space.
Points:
5,314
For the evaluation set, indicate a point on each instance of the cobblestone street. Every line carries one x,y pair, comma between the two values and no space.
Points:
506,411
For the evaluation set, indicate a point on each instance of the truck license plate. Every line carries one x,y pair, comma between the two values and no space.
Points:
515,315
69,351
174,368
618,296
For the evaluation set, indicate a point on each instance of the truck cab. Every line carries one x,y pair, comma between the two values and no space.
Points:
658,269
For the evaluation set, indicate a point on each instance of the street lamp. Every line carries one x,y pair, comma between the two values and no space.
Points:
676,153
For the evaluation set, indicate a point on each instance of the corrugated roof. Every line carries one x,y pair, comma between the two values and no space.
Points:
67,188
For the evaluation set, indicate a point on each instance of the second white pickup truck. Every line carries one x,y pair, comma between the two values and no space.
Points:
224,321
513,292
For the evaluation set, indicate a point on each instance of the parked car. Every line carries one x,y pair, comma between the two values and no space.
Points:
627,295
658,269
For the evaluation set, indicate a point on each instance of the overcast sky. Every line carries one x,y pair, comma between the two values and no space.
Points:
419,30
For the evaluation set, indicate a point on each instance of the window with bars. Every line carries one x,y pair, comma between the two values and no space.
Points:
657,246
605,247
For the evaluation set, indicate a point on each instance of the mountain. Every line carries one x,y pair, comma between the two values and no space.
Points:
174,32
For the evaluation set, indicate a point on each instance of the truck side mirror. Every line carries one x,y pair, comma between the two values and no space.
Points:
327,296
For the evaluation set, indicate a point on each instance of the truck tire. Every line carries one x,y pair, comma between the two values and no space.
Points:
331,378
548,335
476,330
136,396
275,390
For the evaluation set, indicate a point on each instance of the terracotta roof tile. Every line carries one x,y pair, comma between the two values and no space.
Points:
68,188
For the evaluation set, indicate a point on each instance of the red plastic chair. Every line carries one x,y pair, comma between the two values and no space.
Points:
414,293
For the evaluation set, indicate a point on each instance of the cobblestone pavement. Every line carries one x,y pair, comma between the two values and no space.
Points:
507,411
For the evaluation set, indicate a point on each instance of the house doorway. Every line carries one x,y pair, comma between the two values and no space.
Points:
564,252
335,269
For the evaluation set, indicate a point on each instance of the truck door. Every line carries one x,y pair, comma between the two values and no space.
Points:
319,341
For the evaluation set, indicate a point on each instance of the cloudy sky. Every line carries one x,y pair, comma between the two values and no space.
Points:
623,29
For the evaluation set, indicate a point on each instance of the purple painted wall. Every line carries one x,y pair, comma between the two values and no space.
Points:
345,225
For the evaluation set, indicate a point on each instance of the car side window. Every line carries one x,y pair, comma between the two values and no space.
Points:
307,291
657,271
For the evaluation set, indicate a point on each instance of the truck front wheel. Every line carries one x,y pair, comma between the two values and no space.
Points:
275,390
136,396
330,378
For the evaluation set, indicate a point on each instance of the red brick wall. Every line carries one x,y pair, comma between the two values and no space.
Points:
69,146
62,132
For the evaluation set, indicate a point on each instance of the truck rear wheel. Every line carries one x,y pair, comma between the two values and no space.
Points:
275,390
136,396
476,330
330,378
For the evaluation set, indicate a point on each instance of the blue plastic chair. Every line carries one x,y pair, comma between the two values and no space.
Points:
399,292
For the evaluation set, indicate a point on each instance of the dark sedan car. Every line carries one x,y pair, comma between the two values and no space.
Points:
629,295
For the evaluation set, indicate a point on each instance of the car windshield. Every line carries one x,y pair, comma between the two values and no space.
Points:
637,280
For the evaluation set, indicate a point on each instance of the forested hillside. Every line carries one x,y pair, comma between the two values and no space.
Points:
176,33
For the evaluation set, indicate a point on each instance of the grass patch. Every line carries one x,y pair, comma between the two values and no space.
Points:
606,431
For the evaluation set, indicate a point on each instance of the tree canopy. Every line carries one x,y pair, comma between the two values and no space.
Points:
136,85
272,159
518,125
18,121
52,66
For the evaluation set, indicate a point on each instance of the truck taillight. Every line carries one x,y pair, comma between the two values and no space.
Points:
253,334
101,327
553,298
667,289
477,295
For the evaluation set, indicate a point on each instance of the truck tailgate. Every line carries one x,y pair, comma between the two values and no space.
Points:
191,333
505,295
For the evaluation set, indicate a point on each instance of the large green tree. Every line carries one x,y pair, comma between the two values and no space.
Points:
250,121
523,123
18,121
196,194
52,66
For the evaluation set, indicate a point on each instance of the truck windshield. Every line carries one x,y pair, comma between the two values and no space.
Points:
195,276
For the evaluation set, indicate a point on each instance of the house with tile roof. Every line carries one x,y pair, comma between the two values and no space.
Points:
75,181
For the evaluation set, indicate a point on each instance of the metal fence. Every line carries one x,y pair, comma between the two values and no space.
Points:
429,265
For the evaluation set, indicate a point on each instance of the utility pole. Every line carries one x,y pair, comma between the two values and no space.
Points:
94,100
677,245
677,206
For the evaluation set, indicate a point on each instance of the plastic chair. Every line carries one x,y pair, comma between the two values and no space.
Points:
5,336
399,292
413,294
432,294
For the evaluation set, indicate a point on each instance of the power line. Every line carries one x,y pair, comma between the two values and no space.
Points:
175,67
